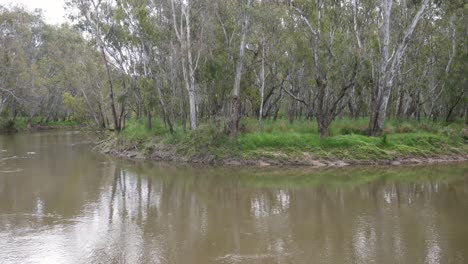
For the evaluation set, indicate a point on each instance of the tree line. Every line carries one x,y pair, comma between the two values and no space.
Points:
195,61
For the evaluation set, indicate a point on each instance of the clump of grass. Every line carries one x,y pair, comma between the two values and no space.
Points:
347,139
276,140
300,126
206,139
464,133
136,130
404,128
348,126
62,123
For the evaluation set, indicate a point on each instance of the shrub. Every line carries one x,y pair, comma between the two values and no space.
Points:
404,128
384,140
464,133
452,133
7,125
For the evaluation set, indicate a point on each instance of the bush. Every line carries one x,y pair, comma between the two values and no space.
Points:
404,128
7,125
136,130
464,133
452,133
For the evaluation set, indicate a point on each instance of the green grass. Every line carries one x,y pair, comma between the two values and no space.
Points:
347,140
21,123
136,130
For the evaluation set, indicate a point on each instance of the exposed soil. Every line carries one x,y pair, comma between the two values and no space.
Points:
163,152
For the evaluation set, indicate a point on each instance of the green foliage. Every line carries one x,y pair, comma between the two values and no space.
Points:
21,123
76,105
7,125
292,140
137,131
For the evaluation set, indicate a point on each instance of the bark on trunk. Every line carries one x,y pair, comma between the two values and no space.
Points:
387,73
235,105
323,125
149,123
189,65
262,88
322,115
162,103
111,92
466,115
399,112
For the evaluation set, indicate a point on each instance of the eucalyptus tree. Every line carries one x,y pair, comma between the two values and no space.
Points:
268,45
391,55
72,66
453,51
90,17
21,34
235,102
334,54
190,45
40,64
150,35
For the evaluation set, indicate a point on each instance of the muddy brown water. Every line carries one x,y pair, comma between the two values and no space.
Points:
62,203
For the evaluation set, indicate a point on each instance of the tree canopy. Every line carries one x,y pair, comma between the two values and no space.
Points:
195,61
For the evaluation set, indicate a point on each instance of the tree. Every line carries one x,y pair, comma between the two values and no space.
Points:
389,63
326,62
235,103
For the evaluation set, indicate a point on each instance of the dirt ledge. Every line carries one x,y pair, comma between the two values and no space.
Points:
168,153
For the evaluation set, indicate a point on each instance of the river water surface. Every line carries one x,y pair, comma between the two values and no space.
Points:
62,203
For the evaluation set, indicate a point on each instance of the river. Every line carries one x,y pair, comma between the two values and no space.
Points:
62,203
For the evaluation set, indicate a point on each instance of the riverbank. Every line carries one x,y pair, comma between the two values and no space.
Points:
281,143
21,124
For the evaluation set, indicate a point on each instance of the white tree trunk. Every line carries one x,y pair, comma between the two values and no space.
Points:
188,67
235,107
386,73
262,88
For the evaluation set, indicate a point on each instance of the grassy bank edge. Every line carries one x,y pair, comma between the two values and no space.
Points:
21,124
281,143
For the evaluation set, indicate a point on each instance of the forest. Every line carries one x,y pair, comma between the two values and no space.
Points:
234,131
238,66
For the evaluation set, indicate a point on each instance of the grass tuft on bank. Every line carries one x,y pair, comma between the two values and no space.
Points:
282,140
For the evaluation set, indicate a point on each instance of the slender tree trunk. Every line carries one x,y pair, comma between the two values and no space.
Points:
162,103
235,105
101,116
149,123
262,88
323,125
466,115
96,119
188,66
399,112
183,113
111,91
322,115
386,72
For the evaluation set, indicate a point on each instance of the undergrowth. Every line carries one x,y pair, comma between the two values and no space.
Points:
21,123
347,139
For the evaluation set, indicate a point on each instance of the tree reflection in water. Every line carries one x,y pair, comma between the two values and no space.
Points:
69,205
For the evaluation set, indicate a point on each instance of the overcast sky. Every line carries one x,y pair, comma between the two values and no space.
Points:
53,9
